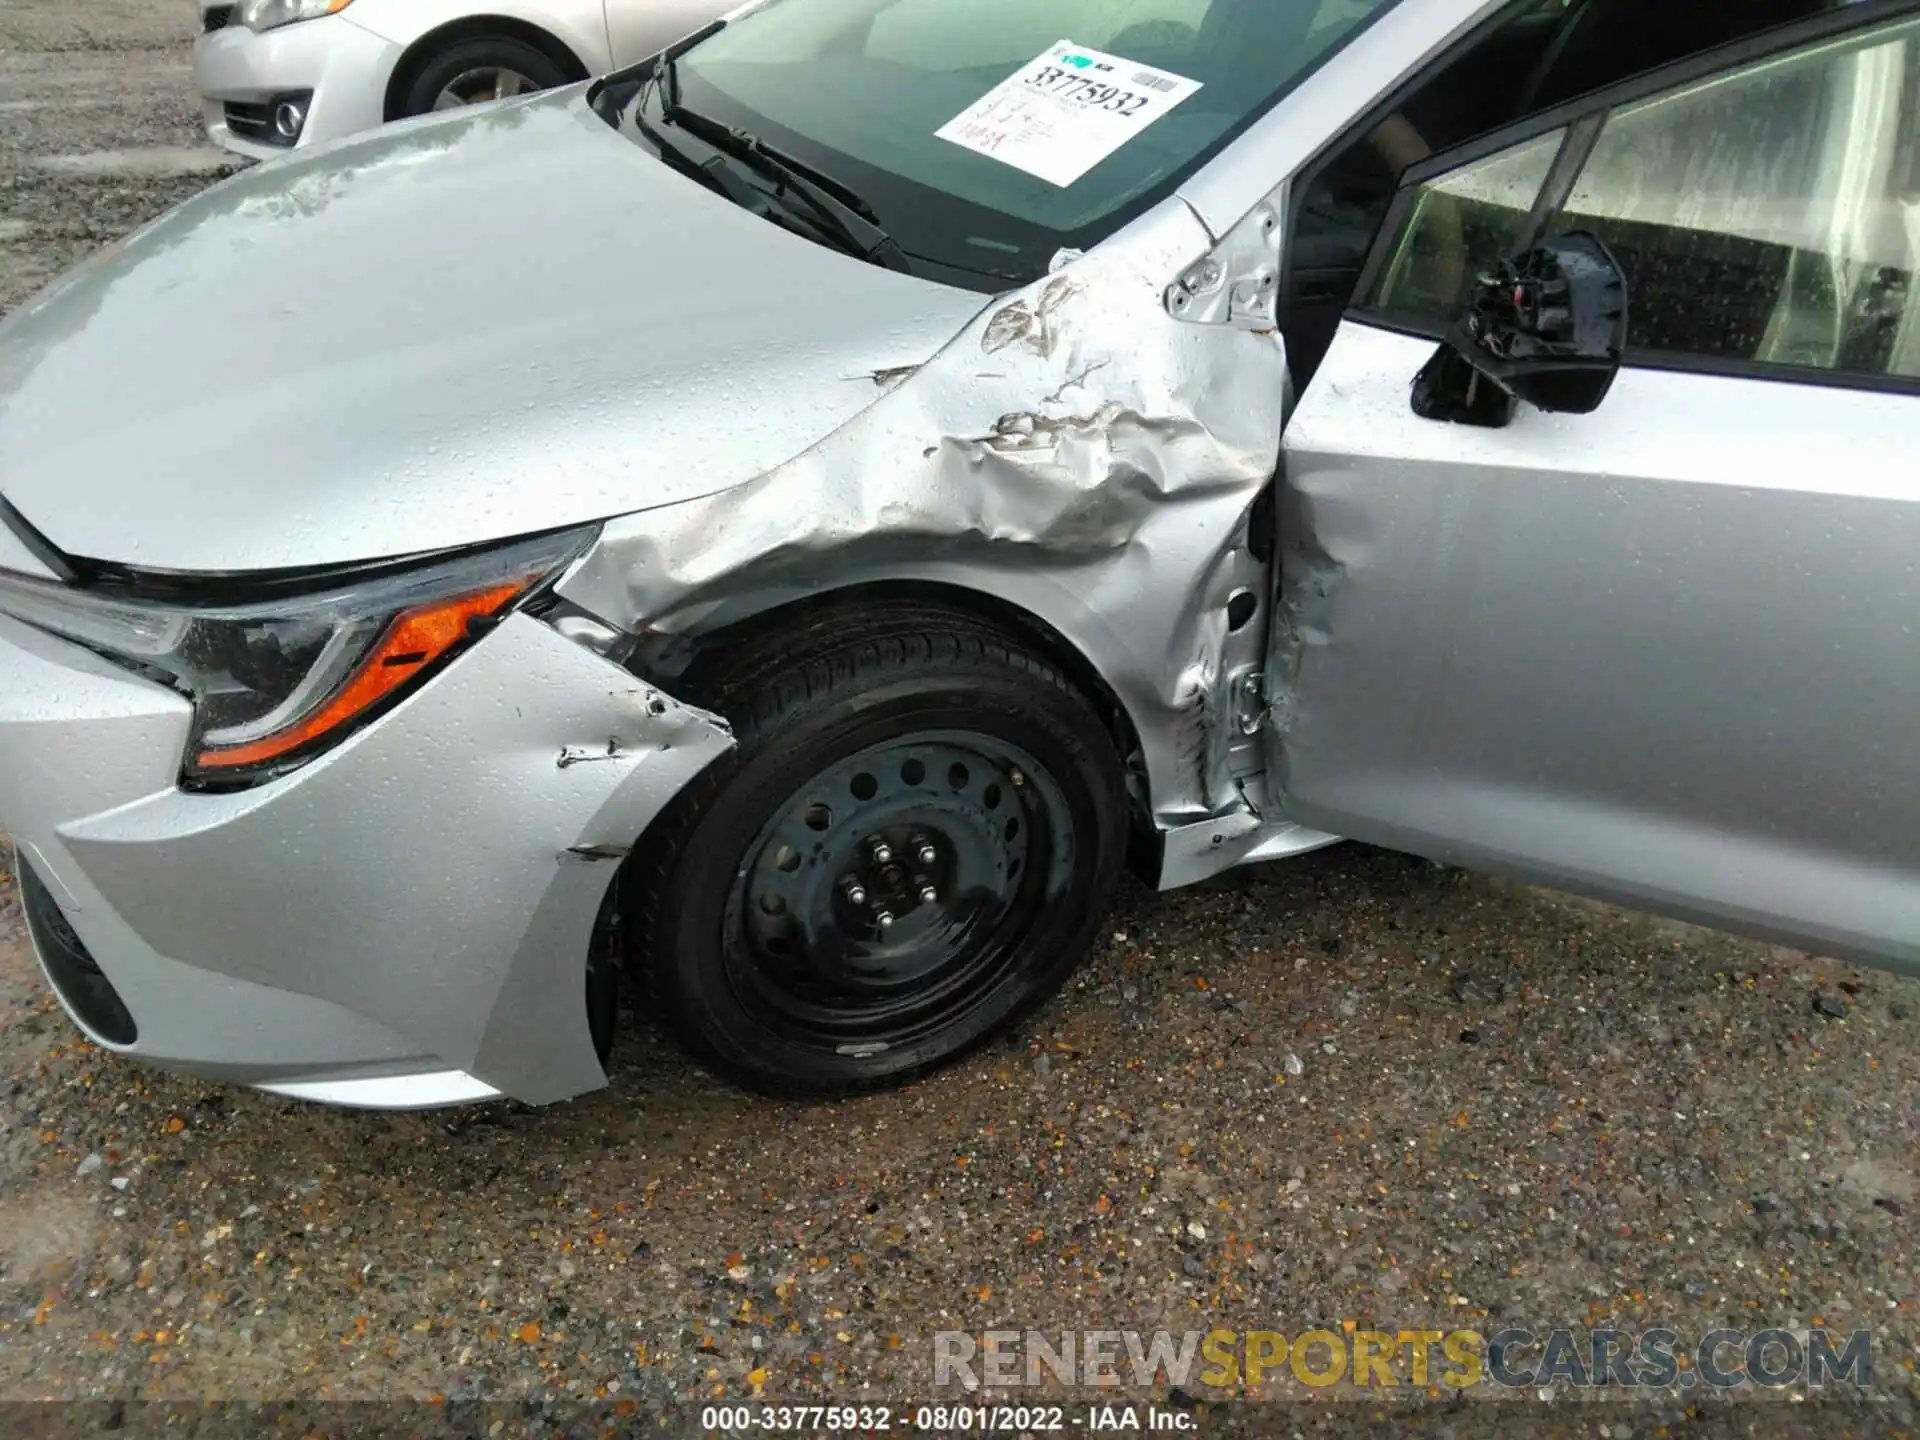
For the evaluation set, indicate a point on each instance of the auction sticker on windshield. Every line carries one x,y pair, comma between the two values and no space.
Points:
1064,113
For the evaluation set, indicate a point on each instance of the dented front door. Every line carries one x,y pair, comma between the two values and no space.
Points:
1667,653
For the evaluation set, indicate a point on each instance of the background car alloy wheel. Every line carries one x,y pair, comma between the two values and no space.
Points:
488,82
482,68
912,846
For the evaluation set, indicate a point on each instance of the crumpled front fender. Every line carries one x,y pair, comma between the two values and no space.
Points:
1077,451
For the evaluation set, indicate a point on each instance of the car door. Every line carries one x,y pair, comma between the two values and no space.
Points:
1667,652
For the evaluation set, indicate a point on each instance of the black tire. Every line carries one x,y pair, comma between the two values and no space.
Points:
606,966
830,691
482,52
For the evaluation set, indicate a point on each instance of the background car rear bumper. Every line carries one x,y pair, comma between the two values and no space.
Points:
404,921
342,67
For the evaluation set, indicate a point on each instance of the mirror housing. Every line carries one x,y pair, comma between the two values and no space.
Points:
1547,327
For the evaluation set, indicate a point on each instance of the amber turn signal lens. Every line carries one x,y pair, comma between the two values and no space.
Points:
413,640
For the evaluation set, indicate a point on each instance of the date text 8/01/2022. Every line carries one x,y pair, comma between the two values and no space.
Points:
942,1419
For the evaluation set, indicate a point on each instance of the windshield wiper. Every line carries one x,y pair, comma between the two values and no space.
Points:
842,215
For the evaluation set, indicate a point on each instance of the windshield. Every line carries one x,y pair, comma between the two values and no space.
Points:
986,135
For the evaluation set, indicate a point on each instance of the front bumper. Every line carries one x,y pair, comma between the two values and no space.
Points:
240,76
403,922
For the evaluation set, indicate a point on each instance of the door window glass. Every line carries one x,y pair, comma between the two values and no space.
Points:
1772,214
1460,224
1768,215
1542,53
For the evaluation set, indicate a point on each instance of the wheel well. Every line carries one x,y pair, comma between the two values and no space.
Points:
1004,615
474,27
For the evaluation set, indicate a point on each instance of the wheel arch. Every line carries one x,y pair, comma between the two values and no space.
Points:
753,615
473,27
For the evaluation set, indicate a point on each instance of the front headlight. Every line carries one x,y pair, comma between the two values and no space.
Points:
272,14
276,683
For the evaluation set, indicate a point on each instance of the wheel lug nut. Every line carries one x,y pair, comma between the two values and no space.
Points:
928,895
928,854
884,919
882,852
855,892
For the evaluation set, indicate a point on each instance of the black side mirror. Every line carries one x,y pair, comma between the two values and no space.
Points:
1546,327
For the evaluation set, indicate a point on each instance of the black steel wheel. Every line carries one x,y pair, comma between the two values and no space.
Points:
912,846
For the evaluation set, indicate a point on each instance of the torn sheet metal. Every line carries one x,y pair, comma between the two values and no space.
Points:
1076,450
1238,281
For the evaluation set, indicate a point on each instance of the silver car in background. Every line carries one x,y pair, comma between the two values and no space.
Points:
276,75
933,457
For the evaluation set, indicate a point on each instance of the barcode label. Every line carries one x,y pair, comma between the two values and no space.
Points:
1065,111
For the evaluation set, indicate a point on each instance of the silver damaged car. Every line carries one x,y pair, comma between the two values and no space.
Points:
789,523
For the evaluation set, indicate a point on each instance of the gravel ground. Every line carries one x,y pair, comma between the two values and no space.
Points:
1353,1089
99,128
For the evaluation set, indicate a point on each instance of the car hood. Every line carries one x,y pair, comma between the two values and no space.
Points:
447,332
